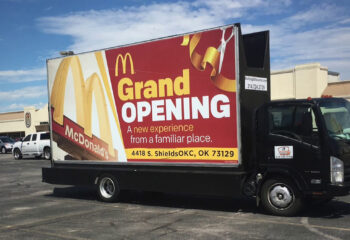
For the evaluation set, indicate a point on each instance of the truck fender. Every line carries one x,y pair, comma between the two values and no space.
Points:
96,176
298,180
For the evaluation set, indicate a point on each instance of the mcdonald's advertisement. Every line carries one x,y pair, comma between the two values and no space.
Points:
171,100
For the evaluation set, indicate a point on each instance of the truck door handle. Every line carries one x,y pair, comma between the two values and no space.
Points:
27,143
34,143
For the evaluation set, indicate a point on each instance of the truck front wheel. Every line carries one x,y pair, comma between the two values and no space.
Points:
108,188
281,197
17,154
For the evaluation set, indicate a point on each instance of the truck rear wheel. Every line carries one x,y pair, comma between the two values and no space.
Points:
108,188
281,197
47,153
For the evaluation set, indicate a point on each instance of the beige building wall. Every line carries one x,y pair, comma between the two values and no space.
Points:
14,124
11,122
283,84
303,81
37,117
338,89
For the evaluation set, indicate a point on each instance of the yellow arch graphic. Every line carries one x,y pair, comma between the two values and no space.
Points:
83,98
123,60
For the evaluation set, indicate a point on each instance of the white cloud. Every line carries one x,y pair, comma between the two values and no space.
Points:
107,28
320,13
23,93
318,33
16,76
340,65
20,106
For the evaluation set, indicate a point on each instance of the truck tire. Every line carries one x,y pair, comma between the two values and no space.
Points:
47,153
17,154
3,150
108,188
281,197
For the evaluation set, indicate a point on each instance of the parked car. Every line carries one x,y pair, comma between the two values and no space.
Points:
6,144
33,145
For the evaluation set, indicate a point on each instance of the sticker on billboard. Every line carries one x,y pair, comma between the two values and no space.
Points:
255,83
283,152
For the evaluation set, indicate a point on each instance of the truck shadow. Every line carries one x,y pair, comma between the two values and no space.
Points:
163,199
332,210
190,201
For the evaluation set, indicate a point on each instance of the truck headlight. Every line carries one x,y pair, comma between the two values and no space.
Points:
337,170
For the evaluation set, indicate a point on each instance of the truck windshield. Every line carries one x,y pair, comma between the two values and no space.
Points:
337,117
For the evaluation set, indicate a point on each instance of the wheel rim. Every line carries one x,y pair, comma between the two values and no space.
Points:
107,187
280,196
16,154
3,150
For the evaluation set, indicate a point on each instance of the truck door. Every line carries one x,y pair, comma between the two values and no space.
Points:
293,141
33,145
26,144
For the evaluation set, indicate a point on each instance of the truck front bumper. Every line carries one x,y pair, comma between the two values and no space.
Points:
338,190
9,150
329,191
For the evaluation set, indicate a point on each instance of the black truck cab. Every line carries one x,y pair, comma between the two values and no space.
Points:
302,151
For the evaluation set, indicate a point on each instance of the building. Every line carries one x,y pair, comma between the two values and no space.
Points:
302,81
307,80
338,89
18,124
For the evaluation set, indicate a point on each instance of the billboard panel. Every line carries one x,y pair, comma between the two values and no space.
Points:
167,101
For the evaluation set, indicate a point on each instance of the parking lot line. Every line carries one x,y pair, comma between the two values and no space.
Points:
286,223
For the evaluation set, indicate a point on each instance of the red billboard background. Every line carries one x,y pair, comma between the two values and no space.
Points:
167,58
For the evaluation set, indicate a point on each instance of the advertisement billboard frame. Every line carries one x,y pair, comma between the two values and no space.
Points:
236,29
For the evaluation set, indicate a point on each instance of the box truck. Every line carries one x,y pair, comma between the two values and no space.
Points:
192,114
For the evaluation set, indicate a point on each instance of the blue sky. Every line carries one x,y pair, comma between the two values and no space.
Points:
31,31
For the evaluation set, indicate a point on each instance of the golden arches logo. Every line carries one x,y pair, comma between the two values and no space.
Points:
84,90
123,61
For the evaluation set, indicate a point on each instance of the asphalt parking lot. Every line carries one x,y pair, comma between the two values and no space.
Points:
30,209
